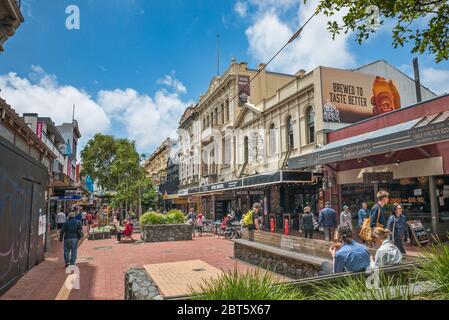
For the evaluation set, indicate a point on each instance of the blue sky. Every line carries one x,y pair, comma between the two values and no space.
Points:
134,65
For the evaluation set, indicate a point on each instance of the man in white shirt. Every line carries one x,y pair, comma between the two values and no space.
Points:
83,218
60,220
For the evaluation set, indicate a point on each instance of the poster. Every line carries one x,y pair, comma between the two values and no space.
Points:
417,192
39,130
349,96
42,224
445,193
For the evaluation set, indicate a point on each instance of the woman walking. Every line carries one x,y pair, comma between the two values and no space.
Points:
398,227
345,217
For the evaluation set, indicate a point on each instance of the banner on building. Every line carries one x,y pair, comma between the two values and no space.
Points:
244,88
349,96
39,130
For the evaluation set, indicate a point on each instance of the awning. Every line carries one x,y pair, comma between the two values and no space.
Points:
252,181
415,133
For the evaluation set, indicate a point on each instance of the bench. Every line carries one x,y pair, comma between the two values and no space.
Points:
289,263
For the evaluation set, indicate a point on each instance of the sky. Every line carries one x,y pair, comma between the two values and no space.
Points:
133,66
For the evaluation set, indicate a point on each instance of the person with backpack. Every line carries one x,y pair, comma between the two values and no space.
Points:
251,218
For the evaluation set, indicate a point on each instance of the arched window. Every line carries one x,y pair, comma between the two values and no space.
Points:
290,142
272,139
310,121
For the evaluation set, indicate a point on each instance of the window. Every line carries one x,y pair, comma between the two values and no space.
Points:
228,151
272,139
216,116
245,150
290,141
227,110
310,121
222,113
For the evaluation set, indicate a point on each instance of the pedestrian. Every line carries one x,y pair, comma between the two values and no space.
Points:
362,214
307,222
328,220
238,214
388,254
347,254
191,219
78,216
83,218
251,218
377,214
345,217
71,233
397,225
127,231
60,219
199,223
89,218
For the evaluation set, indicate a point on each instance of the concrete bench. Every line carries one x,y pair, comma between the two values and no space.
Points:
289,263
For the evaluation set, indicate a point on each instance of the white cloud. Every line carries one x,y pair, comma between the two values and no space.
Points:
436,79
146,119
42,94
314,47
171,81
241,8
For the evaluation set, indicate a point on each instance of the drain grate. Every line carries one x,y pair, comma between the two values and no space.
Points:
199,269
103,248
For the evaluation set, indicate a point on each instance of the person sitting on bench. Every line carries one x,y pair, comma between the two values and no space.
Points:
127,232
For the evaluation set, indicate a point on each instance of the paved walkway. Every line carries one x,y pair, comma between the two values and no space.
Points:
103,263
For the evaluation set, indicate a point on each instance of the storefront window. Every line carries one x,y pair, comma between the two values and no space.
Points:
442,188
413,195
354,195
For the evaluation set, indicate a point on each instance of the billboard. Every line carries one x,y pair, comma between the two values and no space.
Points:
244,89
349,96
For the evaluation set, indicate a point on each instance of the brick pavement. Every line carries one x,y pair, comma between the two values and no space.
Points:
103,264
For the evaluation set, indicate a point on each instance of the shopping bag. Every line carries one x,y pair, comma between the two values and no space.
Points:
365,231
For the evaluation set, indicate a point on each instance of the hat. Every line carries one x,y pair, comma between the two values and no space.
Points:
256,205
345,207
328,204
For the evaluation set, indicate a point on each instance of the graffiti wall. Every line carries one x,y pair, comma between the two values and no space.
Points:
23,182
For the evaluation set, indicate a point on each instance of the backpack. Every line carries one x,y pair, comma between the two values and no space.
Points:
248,218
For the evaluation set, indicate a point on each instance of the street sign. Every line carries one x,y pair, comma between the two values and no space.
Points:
419,232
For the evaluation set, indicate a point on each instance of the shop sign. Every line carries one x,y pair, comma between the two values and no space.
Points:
39,129
408,200
419,232
356,151
249,193
371,177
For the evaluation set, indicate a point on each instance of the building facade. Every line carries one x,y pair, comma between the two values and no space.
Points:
252,162
10,19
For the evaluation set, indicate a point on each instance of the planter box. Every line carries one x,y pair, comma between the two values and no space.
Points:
166,232
99,236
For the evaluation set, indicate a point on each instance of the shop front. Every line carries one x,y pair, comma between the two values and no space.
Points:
409,160
282,194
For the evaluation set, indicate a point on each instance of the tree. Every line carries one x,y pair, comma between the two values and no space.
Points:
97,157
423,23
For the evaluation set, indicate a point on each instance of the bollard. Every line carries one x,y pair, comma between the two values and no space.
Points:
272,225
286,227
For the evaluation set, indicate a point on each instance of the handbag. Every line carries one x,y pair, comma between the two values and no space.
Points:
316,225
366,232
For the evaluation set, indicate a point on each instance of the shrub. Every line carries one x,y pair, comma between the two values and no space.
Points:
152,218
434,267
252,285
356,289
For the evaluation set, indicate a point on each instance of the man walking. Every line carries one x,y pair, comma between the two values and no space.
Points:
251,218
60,220
328,220
71,233
377,214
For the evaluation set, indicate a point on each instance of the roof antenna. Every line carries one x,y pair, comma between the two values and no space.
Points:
218,55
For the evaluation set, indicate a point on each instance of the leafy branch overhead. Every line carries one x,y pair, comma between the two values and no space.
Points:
422,23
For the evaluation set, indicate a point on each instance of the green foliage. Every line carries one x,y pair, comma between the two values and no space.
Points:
252,285
434,267
152,218
104,229
424,24
356,289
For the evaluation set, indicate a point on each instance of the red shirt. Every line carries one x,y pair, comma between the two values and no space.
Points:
89,217
128,230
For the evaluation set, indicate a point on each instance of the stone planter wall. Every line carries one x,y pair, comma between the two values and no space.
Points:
291,268
166,232
139,286
99,236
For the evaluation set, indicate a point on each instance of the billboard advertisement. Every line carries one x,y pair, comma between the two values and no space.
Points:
39,130
244,89
349,96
